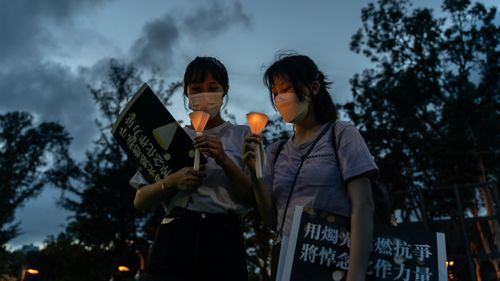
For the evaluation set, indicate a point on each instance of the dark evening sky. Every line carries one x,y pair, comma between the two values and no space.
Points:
51,50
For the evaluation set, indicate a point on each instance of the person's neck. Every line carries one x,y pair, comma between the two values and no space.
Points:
305,129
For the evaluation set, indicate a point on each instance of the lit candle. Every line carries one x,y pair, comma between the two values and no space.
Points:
199,120
257,121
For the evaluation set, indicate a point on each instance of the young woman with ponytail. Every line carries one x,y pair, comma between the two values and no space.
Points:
303,170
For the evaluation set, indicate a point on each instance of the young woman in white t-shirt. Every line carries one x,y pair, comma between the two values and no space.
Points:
200,238
299,91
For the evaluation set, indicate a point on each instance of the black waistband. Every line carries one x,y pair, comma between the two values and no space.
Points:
178,212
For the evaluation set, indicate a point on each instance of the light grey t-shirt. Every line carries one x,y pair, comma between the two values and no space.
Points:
214,195
319,184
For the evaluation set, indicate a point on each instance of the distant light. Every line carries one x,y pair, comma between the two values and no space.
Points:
450,263
122,268
32,271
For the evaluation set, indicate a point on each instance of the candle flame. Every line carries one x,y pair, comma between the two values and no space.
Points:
123,268
199,120
32,271
257,121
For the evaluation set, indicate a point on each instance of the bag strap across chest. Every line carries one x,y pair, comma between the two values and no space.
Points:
302,159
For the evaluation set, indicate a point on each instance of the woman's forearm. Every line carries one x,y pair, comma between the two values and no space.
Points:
241,183
150,196
359,190
361,242
263,201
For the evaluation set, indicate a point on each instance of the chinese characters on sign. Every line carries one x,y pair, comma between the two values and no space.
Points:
149,135
142,148
320,245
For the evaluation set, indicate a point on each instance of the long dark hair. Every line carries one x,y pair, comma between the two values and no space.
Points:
300,70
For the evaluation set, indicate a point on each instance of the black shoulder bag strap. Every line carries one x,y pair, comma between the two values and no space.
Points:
335,151
303,158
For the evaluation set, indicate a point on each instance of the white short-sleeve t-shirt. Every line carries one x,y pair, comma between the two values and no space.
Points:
319,183
214,194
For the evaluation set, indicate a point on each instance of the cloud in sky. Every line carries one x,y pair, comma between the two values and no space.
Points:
26,26
53,93
51,50
52,90
209,21
31,82
155,46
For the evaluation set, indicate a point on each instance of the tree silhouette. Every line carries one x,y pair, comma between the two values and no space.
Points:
31,156
105,219
430,108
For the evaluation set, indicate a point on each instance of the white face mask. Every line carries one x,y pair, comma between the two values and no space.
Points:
291,109
210,102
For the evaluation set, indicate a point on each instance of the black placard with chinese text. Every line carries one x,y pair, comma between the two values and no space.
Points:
320,246
152,137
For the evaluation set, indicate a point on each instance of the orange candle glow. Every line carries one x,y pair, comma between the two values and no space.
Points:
123,268
257,121
32,271
199,120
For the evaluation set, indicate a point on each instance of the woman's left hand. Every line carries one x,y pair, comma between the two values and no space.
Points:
211,146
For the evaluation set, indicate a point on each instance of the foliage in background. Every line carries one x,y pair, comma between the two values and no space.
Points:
105,220
32,155
430,110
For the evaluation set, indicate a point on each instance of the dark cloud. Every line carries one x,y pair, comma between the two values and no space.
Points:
22,35
28,81
95,73
33,32
209,21
26,25
61,11
155,46
52,93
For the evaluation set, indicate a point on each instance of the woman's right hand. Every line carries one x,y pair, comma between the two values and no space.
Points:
185,179
150,196
249,144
